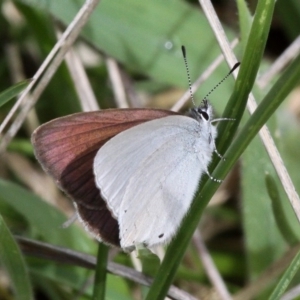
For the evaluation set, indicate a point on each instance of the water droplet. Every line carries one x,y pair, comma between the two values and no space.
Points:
169,45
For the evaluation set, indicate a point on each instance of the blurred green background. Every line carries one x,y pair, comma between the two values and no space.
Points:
145,37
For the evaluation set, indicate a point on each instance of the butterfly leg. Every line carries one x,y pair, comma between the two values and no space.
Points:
216,151
212,178
218,120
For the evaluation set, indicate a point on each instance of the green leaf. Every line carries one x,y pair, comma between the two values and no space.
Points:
13,91
281,217
146,36
286,278
43,218
12,260
245,21
259,226
21,145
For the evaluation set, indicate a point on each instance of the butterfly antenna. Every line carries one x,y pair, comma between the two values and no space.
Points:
188,74
231,71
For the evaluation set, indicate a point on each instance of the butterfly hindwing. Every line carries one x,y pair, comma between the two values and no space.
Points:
66,148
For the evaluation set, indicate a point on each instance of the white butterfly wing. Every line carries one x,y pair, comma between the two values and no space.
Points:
119,158
161,197
148,176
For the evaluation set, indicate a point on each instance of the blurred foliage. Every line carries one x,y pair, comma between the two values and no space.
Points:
145,38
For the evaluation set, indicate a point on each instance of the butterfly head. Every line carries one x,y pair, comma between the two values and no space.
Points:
202,113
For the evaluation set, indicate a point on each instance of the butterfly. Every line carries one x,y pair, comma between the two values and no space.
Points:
131,173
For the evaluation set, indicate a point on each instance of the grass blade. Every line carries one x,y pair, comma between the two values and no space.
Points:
100,276
12,92
286,278
13,262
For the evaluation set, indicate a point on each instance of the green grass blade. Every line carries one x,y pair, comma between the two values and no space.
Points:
248,70
245,20
12,92
263,112
100,276
279,213
256,210
13,262
286,278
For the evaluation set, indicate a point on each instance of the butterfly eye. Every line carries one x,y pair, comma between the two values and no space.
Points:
204,115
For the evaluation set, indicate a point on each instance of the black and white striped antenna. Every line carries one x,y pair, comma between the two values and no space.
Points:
189,77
